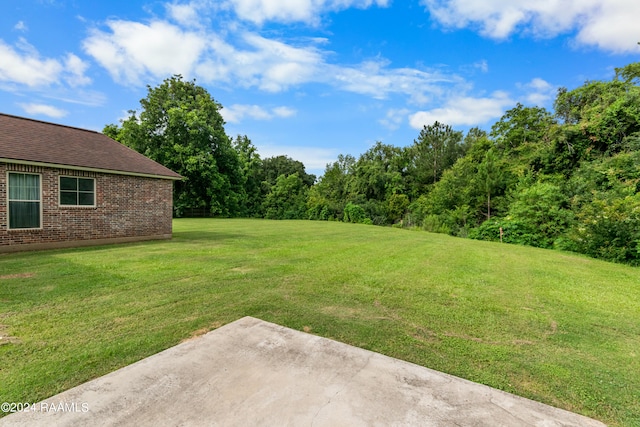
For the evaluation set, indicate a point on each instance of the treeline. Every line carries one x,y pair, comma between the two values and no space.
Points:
568,179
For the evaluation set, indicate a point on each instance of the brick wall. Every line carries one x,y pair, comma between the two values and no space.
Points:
127,207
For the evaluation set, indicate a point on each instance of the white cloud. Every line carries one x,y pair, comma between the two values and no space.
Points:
237,112
20,26
307,11
274,65
76,68
613,27
89,98
394,118
610,25
184,14
538,92
284,112
131,50
465,111
377,79
482,66
23,65
26,67
539,84
44,110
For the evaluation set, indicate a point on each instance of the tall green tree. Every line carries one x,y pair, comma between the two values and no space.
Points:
329,196
523,135
251,166
273,167
378,173
435,150
539,214
489,177
521,125
180,127
287,198
601,116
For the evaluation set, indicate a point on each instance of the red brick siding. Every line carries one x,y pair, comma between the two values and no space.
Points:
126,206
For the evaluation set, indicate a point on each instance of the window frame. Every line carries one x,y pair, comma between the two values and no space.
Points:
76,206
9,200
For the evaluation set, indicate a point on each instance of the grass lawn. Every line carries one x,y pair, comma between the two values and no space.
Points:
554,327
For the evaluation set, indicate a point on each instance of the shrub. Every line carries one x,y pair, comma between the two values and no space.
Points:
355,214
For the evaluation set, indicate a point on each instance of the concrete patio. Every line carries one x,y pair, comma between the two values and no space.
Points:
255,373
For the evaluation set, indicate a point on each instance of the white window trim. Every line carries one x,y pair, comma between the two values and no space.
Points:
9,172
95,195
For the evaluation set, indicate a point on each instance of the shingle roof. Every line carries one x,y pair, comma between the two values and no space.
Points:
28,140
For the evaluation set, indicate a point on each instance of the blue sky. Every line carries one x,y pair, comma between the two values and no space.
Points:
310,78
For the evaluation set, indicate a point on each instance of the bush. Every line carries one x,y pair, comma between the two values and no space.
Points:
609,228
513,231
433,224
355,214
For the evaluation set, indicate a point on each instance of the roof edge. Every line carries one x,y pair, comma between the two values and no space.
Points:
50,123
87,169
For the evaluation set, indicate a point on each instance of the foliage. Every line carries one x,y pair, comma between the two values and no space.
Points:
355,214
328,197
609,228
521,127
489,177
378,172
629,73
437,148
251,168
605,112
273,167
180,127
287,198
539,214
397,206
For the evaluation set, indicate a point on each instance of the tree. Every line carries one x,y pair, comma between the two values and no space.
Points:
450,200
251,166
602,114
629,73
397,205
437,148
378,173
287,198
328,197
539,211
472,138
521,130
489,177
609,228
180,127
273,167
355,214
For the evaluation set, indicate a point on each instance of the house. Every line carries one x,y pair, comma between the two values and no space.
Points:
62,186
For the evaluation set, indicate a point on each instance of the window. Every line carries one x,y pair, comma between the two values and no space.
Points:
24,200
77,191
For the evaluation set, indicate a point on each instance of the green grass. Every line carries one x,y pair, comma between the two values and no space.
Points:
554,327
